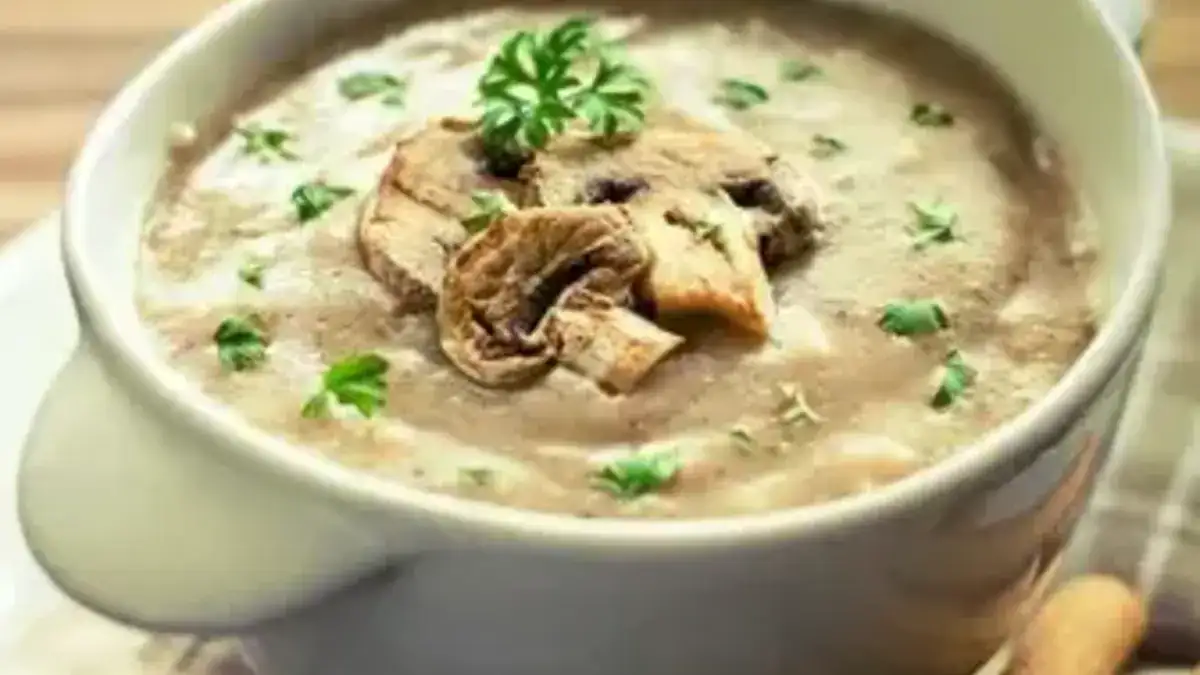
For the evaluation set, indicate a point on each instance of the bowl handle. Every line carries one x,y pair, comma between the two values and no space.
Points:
133,517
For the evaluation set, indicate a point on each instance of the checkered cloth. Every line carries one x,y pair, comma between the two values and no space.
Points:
1145,523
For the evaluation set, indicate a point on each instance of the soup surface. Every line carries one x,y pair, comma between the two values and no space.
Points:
834,252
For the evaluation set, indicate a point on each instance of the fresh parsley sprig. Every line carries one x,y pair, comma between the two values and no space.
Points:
312,200
914,317
936,222
241,343
738,94
390,89
957,377
266,143
357,381
638,474
531,90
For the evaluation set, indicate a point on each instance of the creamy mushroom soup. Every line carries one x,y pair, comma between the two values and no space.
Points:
610,263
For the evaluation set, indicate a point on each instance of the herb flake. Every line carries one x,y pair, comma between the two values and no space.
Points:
241,343
266,143
931,115
312,200
936,222
957,376
251,273
490,206
357,381
915,317
797,70
739,94
390,90
639,474
824,147
743,440
476,476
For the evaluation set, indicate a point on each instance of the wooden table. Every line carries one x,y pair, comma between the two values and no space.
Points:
61,59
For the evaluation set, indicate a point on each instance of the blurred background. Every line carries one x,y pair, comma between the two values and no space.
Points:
61,59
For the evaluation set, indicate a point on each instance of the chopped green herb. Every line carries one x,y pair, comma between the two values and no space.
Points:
795,407
931,115
251,273
638,474
743,440
824,146
956,377
741,94
476,476
489,207
916,317
314,199
265,143
798,71
357,381
390,89
529,91
241,343
935,223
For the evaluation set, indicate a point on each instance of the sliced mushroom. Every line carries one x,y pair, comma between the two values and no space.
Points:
706,260
504,287
613,346
406,227
713,206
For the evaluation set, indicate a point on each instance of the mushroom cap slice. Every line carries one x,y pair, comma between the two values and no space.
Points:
502,286
414,217
715,207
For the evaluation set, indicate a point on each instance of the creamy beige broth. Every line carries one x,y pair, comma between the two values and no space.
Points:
1013,283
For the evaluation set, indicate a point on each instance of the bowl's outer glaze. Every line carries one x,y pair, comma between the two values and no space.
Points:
151,504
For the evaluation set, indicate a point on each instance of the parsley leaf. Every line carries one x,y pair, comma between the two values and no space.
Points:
824,146
357,381
490,206
741,94
241,343
639,474
935,223
523,90
314,199
931,115
391,89
956,377
796,70
266,143
913,318
613,101
251,273
529,92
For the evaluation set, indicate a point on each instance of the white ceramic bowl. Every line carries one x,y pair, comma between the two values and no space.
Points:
150,503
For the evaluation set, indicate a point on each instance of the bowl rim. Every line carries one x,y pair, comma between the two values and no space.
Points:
148,378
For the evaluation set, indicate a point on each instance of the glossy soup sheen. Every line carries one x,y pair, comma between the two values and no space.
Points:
831,405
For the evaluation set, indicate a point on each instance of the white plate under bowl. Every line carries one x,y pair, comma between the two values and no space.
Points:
1140,535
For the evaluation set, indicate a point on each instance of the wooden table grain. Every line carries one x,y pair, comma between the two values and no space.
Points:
61,59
